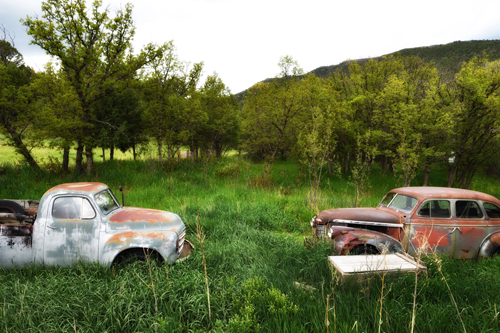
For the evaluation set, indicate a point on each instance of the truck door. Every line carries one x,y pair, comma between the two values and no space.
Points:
72,234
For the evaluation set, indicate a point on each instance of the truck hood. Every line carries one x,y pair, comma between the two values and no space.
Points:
360,214
142,219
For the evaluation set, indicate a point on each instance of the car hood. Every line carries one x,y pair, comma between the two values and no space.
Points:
143,219
360,214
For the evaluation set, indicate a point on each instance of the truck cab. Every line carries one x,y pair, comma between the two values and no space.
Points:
84,222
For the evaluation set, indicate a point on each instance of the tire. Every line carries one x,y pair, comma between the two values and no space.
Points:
7,206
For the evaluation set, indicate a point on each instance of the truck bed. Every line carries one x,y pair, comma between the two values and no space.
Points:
28,217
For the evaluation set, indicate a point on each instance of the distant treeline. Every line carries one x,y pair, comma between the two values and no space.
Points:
402,111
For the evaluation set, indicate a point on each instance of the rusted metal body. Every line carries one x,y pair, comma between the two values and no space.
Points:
460,223
83,222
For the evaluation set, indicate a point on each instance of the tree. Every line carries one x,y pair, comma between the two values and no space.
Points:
271,113
221,128
476,119
169,95
120,122
58,117
94,51
8,53
15,97
317,137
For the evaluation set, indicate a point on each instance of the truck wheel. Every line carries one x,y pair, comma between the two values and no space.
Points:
140,255
7,206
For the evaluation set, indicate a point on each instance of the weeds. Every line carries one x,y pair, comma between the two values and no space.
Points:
252,251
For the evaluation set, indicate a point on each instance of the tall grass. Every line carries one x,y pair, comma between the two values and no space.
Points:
254,259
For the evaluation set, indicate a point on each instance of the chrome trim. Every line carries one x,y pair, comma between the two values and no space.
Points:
380,224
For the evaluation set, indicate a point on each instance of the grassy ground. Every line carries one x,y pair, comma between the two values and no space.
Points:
253,229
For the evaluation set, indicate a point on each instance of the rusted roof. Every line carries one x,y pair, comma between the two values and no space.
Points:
426,192
79,187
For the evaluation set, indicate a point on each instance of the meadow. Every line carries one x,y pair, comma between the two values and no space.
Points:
261,278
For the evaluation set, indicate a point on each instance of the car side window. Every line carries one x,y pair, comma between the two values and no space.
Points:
435,209
72,208
492,210
468,209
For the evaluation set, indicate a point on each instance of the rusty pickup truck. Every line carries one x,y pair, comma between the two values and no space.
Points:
84,222
456,222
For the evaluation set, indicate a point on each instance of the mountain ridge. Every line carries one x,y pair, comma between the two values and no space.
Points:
448,58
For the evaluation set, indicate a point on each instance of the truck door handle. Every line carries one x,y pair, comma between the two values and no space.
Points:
51,227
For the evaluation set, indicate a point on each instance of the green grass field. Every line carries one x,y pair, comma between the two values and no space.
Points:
254,255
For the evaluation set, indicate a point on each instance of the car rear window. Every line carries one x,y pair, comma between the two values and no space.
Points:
492,210
468,210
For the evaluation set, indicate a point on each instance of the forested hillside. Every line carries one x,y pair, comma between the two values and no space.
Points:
448,58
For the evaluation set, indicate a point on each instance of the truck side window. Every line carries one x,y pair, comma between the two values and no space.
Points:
72,208
468,210
492,210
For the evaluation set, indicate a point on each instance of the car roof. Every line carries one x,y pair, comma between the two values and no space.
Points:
428,192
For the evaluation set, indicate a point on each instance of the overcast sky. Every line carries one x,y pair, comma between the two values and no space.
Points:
243,40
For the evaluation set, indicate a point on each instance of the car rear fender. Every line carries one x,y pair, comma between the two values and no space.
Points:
345,239
490,245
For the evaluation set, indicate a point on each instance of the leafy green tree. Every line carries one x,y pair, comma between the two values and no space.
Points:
120,122
408,122
16,114
58,115
476,119
317,137
94,51
221,128
170,105
271,113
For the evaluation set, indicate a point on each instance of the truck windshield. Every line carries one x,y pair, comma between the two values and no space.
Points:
400,202
106,201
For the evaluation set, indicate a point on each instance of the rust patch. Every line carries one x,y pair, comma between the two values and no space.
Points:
131,214
496,238
79,187
127,236
427,192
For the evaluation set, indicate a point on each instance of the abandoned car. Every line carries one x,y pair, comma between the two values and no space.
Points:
84,222
456,222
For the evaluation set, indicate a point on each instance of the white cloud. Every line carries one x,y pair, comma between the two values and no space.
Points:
243,40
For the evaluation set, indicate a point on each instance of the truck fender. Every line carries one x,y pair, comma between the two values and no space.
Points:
345,239
490,245
162,242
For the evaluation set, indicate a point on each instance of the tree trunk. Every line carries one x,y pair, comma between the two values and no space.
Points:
65,162
346,163
133,152
160,148
218,150
385,164
90,159
79,158
20,146
111,153
427,173
103,156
